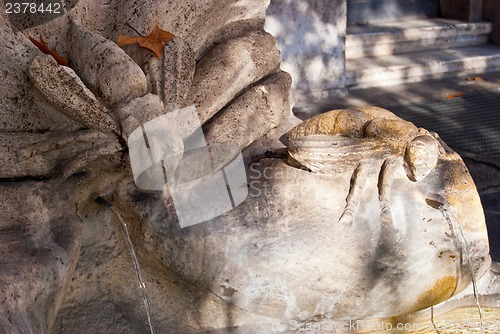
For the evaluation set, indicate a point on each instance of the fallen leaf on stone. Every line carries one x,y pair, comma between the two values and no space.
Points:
454,95
155,41
476,79
42,46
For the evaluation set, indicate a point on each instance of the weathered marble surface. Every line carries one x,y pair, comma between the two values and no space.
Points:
355,242
65,129
311,38
310,242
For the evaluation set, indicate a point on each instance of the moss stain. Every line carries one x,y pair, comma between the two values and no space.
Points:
441,291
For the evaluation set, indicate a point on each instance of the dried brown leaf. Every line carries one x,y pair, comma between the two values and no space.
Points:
155,41
42,46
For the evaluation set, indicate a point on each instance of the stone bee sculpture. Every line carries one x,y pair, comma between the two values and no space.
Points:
352,139
281,255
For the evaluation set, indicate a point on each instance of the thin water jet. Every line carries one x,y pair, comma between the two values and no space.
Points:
432,320
133,255
464,247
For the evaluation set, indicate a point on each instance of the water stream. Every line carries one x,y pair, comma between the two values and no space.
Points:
137,268
464,248
131,250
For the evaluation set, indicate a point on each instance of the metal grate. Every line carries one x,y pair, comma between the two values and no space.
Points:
470,122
